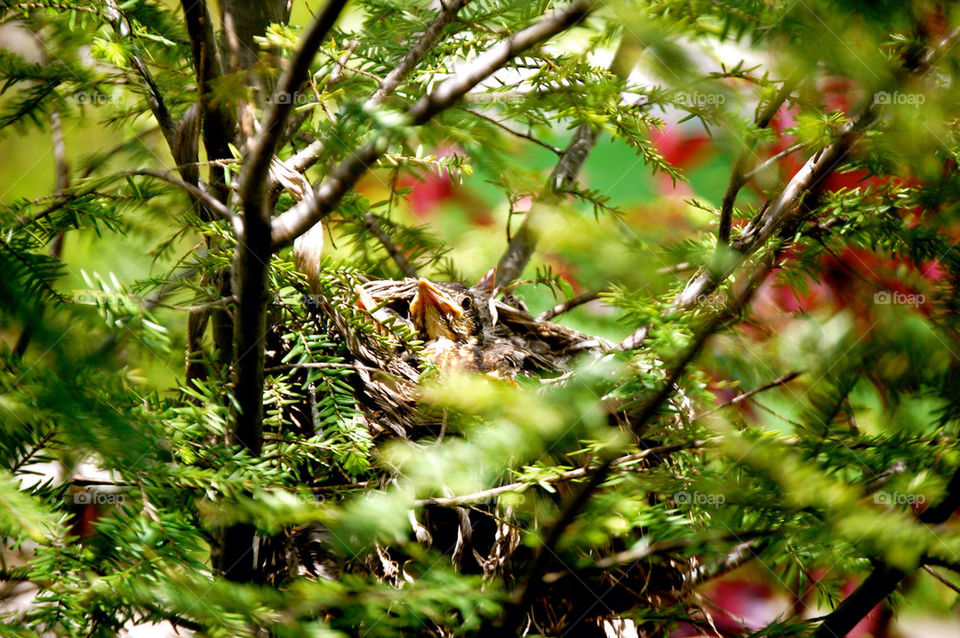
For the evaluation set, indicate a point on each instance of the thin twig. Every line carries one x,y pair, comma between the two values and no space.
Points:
223,301
348,486
81,482
320,365
647,408
631,556
196,191
781,380
737,177
741,554
669,270
59,6
23,460
521,246
569,475
373,225
419,50
154,97
771,160
501,125
568,305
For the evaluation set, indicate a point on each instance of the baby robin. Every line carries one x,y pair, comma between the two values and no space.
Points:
452,319
459,327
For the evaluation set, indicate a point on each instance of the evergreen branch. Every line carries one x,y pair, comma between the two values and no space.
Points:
59,203
414,56
644,410
781,218
34,269
884,579
252,260
533,582
787,213
520,247
175,620
263,148
39,445
154,98
156,298
419,50
648,408
24,108
59,6
311,210
738,554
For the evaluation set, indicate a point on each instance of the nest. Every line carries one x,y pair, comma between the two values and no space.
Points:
370,332
371,319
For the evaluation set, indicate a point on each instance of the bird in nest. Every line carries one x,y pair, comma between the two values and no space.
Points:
468,329
459,327
464,328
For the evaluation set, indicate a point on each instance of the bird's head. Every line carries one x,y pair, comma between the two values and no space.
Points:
447,310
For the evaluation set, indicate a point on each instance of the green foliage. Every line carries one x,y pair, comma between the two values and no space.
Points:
367,444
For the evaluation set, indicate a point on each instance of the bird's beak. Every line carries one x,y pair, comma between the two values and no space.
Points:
429,296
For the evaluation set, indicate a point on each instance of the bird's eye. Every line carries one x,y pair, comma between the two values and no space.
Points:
466,303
